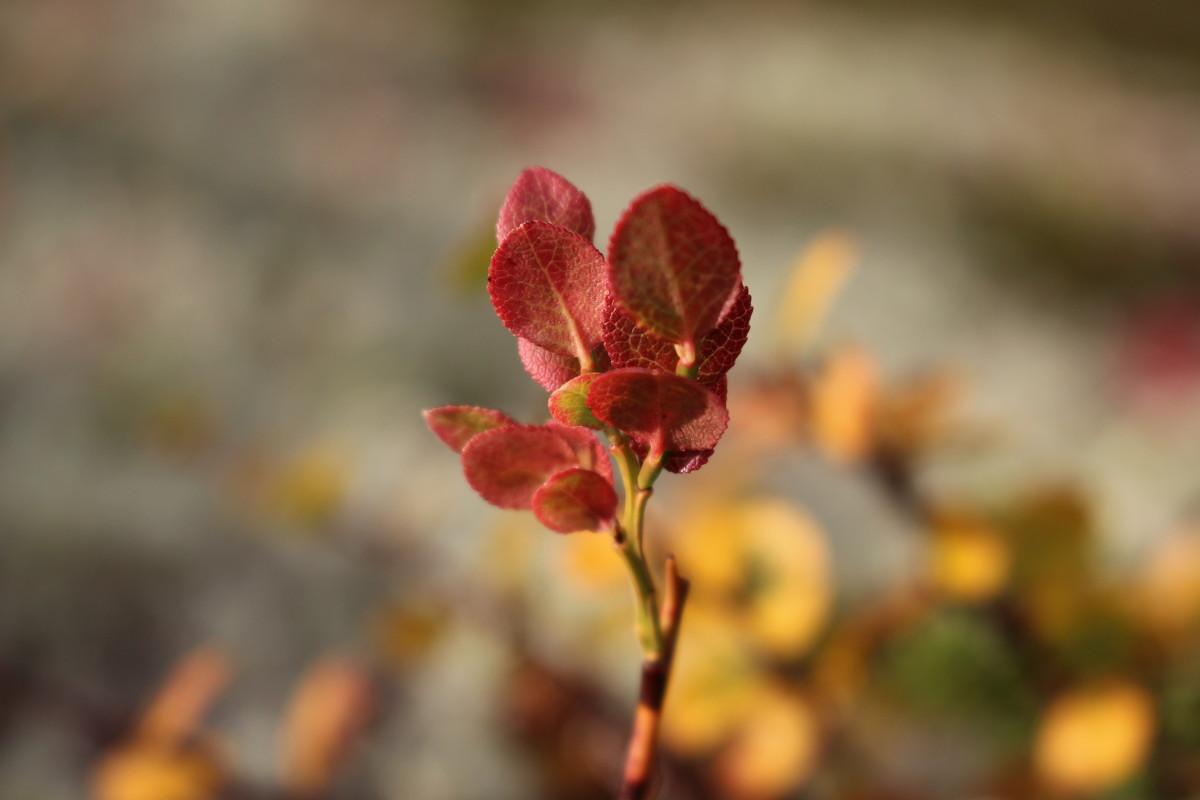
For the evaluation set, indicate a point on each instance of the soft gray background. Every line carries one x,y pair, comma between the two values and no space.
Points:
248,210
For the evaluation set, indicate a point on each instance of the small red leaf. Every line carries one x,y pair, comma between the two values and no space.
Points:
576,500
457,425
568,403
674,268
547,285
659,410
507,465
591,453
540,194
630,346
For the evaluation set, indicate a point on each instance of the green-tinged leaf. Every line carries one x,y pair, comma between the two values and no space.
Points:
818,274
507,465
457,425
576,500
568,403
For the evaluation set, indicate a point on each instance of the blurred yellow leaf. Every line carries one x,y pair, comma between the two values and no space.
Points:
1094,737
711,683
406,631
915,414
761,579
968,560
771,410
840,669
142,772
309,486
775,749
711,548
843,402
1168,588
1052,534
507,551
167,756
818,274
764,560
591,560
331,707
791,589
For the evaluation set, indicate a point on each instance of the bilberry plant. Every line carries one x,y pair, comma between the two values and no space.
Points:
635,347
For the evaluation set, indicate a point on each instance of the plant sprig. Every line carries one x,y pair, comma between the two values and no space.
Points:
634,346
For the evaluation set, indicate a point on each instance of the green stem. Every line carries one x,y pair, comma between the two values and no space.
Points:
627,465
628,538
649,630
650,470
687,370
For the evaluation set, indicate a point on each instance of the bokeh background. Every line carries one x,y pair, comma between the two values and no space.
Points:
952,552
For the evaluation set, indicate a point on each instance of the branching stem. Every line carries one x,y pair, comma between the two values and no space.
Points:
628,539
639,760
657,630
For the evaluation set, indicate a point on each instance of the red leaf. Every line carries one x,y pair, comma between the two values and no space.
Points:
659,410
549,369
539,194
457,425
568,403
684,461
674,268
507,465
547,285
591,453
576,500
630,346
720,387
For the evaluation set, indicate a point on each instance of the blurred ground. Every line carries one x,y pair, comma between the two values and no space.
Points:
232,240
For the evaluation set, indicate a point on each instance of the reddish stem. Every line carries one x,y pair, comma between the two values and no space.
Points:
643,740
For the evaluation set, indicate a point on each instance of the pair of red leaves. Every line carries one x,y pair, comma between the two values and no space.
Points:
669,292
613,339
672,267
562,473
